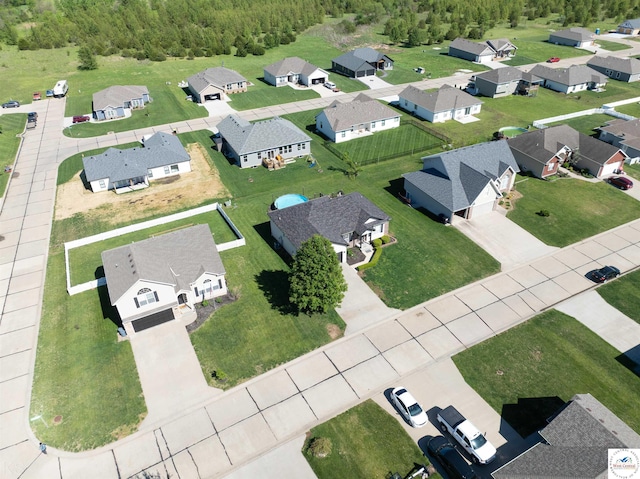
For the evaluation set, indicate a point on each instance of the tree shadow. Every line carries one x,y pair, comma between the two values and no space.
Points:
108,311
99,272
275,286
530,415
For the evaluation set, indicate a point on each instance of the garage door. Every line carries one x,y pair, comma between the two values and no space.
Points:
610,169
481,209
214,96
152,320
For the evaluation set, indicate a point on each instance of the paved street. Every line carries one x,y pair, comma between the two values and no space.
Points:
214,435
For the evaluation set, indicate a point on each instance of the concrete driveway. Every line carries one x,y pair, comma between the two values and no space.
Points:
374,82
169,371
507,242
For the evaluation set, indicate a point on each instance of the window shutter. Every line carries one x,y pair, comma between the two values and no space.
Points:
155,293
196,288
135,300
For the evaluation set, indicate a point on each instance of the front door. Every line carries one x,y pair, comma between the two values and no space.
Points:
182,298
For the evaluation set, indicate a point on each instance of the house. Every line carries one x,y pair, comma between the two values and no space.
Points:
542,152
570,80
269,141
466,182
630,27
482,52
574,37
361,62
504,82
345,220
112,102
575,443
623,69
160,156
215,84
361,116
151,281
294,70
439,106
623,134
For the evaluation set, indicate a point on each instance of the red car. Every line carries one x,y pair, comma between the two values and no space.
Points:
621,182
553,60
36,96
81,118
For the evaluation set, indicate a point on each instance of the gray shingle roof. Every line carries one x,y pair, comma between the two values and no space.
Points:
162,149
446,98
576,33
506,75
245,137
455,178
290,65
178,258
328,217
471,47
115,96
362,109
501,44
217,76
633,23
574,75
623,128
624,65
355,59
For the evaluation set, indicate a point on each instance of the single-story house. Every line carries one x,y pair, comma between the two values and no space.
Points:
111,102
294,70
361,62
542,152
160,155
570,80
251,144
215,83
151,281
623,69
481,52
466,182
345,220
441,105
630,27
623,134
576,442
361,116
504,82
574,37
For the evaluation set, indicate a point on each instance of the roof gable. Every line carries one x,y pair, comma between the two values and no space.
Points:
574,75
115,96
576,33
216,76
630,66
471,47
362,109
446,98
291,65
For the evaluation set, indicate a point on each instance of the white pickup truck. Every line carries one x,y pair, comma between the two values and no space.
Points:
467,435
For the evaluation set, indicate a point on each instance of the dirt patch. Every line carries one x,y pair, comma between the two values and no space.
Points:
334,331
164,195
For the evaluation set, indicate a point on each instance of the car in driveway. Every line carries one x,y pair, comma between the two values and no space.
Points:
448,456
409,407
621,182
11,104
553,60
80,118
32,116
604,274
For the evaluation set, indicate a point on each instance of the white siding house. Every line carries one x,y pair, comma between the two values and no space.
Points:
294,70
439,106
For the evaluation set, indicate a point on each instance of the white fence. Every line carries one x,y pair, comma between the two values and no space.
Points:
607,109
80,288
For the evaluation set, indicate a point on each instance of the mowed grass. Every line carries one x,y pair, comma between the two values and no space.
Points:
586,124
577,209
549,356
11,125
367,443
623,295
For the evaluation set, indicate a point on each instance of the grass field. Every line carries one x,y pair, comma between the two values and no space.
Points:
622,294
10,126
578,209
586,124
528,371
366,443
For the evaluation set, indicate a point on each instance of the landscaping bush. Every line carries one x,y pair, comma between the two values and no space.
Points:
385,239
373,262
377,243
320,447
543,213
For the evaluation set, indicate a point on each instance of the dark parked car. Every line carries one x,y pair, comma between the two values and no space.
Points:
621,182
11,104
450,459
81,118
32,116
604,274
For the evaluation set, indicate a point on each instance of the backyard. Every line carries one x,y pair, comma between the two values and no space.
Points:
10,126
528,372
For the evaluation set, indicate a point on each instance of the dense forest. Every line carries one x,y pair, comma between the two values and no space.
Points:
155,29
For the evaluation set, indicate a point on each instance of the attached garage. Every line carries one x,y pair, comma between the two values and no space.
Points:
211,97
611,168
481,209
152,320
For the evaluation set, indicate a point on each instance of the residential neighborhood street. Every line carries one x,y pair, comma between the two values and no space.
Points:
256,429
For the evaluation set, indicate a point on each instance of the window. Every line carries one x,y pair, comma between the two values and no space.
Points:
174,168
102,184
166,170
150,173
299,146
259,155
373,124
343,134
617,74
304,146
145,296
550,166
209,287
244,158
382,122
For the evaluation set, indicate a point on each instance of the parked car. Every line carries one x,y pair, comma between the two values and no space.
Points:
11,104
330,85
553,60
621,182
81,118
49,93
467,435
36,96
32,116
450,459
604,274
409,407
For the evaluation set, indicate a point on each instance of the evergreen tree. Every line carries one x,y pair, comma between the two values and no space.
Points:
87,59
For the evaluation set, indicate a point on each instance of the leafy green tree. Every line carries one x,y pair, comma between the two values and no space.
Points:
415,36
353,167
316,283
87,59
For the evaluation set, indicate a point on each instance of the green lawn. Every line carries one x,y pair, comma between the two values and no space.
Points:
367,443
578,209
612,46
632,109
586,124
526,372
633,170
623,295
10,126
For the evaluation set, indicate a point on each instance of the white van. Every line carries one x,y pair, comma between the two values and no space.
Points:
330,85
60,89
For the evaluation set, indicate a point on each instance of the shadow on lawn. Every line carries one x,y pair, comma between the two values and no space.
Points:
275,286
531,414
108,312
627,362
